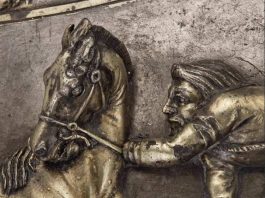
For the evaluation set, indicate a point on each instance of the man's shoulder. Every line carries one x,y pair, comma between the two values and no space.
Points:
251,96
236,95
246,90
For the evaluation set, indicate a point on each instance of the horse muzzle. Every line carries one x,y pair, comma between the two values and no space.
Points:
43,139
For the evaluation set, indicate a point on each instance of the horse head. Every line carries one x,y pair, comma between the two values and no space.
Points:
88,76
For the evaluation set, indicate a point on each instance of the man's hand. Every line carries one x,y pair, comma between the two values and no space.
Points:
151,153
128,151
16,170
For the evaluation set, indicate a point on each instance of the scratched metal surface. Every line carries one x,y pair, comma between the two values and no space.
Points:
45,3
157,34
34,3
37,3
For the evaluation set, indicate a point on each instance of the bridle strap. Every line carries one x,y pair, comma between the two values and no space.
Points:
83,106
72,126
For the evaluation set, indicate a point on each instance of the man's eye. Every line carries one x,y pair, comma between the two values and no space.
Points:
77,91
181,100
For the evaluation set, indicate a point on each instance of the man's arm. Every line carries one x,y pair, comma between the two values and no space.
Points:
165,152
196,136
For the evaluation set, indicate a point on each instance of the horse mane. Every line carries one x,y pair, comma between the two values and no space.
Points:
118,46
107,38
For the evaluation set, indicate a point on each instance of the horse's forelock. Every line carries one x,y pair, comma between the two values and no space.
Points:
80,43
83,50
73,34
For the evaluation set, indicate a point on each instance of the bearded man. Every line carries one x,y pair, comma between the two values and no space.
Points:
215,114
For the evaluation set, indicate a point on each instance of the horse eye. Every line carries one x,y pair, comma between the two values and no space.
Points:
70,73
77,91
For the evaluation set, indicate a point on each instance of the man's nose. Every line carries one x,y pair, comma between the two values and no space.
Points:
169,109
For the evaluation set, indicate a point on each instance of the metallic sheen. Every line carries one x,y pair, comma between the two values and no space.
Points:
75,150
215,115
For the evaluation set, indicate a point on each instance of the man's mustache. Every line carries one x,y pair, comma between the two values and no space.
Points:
177,119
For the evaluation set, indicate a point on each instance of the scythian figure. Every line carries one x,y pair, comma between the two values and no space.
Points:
214,114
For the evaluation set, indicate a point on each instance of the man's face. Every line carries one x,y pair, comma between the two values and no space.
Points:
181,105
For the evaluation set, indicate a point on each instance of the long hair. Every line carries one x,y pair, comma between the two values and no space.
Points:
209,76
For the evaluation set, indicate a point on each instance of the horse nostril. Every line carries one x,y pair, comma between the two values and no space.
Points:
41,150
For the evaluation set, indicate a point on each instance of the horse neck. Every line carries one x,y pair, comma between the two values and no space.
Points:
112,123
112,119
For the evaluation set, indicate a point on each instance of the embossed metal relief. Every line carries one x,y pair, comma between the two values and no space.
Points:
78,145
214,114
20,10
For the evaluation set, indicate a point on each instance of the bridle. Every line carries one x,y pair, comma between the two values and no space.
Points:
95,78
73,126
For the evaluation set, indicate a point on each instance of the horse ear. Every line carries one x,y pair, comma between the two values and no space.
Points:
81,29
67,36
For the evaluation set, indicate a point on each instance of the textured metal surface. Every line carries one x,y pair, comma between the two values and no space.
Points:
86,86
7,5
157,35
18,5
214,116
